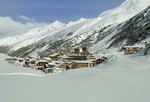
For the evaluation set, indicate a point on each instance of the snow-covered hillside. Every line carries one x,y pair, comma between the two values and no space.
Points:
78,31
121,79
31,36
126,10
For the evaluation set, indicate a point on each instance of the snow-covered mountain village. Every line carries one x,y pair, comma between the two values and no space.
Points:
101,59
62,60
59,61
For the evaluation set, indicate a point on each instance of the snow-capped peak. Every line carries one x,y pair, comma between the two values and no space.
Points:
49,27
57,24
77,22
53,26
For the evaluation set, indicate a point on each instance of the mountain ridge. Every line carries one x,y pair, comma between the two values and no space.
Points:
87,32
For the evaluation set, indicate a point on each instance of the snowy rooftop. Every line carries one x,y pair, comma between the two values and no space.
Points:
133,46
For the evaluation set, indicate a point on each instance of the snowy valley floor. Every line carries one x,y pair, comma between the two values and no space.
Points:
121,79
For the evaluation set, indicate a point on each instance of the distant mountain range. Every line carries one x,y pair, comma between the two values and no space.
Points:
127,24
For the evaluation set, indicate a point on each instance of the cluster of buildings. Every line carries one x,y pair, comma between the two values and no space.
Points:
59,61
62,60
132,49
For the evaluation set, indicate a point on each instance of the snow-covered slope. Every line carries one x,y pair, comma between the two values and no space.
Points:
135,31
126,10
120,79
8,69
122,13
31,36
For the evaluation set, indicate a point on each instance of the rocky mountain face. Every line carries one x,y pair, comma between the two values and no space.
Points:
134,30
